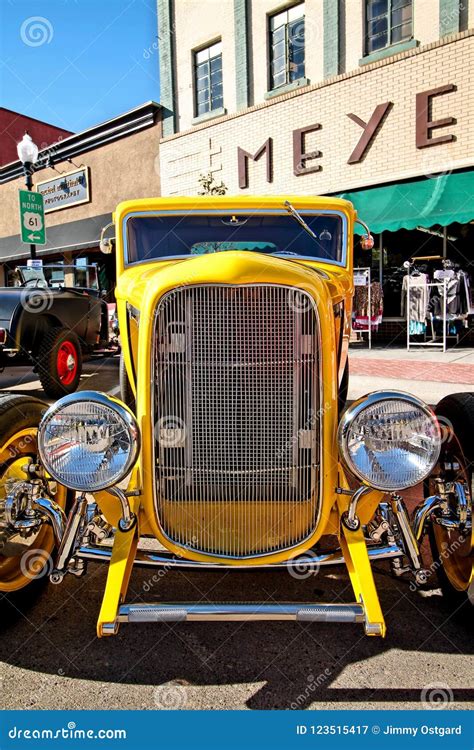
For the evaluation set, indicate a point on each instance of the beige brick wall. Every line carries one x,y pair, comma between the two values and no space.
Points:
126,168
198,24
354,36
393,154
426,20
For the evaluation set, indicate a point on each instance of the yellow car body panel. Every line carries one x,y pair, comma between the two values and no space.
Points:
140,286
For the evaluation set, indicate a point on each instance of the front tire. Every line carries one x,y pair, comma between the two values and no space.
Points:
59,362
453,549
22,575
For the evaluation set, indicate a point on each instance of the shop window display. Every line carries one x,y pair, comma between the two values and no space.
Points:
426,249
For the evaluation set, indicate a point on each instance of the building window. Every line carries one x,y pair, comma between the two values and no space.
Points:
388,22
208,79
287,46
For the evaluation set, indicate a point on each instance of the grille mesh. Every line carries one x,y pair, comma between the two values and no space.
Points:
236,433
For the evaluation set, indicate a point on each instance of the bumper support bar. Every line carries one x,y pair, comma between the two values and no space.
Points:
150,559
350,613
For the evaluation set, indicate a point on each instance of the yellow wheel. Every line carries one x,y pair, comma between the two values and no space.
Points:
24,562
453,547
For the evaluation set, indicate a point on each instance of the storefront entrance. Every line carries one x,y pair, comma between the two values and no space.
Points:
425,230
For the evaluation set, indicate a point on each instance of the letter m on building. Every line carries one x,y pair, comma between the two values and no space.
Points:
243,162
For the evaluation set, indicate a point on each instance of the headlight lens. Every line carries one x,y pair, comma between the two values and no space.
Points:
88,441
390,440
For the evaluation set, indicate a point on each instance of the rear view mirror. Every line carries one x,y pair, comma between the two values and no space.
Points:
106,244
367,242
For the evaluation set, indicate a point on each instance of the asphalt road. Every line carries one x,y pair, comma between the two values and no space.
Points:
50,656
99,373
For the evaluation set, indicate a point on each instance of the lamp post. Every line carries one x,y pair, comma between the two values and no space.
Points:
28,155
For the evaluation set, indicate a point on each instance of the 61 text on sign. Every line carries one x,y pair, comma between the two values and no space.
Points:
33,230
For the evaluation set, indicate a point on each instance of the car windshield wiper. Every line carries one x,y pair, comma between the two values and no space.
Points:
296,215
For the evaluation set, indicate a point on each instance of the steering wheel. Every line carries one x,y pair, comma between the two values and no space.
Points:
35,283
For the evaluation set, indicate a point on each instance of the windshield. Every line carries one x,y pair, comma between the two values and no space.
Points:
77,277
150,237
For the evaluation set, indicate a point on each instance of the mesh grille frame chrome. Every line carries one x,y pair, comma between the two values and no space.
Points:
201,504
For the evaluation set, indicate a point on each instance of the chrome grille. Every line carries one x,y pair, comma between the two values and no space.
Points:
236,418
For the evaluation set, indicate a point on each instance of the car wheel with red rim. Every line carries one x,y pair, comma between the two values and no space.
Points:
59,362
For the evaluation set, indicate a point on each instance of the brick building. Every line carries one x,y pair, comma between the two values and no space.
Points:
371,99
13,125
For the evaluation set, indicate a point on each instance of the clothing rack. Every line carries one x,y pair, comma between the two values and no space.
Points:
433,341
362,277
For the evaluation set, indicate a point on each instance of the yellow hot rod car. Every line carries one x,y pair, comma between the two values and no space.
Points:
230,446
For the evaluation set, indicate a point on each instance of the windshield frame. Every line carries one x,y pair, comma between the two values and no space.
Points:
248,210
60,266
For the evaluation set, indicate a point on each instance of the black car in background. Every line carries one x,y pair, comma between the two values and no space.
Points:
51,317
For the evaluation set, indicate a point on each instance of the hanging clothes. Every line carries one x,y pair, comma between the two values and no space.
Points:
419,298
450,281
360,311
466,306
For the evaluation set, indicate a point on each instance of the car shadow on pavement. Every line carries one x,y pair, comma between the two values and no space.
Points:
259,665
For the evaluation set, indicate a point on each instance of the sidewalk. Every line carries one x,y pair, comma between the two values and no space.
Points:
426,373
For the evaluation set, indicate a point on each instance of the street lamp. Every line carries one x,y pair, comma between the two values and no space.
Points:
28,155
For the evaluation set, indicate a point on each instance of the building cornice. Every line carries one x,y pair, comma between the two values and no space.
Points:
143,116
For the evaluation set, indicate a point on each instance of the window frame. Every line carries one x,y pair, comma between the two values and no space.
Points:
342,263
209,99
388,15
285,9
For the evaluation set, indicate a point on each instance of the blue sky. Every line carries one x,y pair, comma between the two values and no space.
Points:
75,63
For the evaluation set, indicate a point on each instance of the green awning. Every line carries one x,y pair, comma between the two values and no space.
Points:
440,200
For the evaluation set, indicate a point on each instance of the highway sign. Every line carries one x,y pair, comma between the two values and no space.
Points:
33,230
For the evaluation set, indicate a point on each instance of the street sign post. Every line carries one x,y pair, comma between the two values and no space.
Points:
33,230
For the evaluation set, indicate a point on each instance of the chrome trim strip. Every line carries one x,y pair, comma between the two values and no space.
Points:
54,513
103,399
409,540
243,209
301,612
354,410
422,513
163,558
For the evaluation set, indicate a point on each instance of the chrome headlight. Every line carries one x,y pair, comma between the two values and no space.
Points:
88,441
389,440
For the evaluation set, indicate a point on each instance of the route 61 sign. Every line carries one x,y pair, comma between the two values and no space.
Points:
33,230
